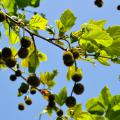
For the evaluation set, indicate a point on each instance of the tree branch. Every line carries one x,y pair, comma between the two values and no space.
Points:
33,34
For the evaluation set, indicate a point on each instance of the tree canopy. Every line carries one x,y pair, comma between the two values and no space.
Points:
92,42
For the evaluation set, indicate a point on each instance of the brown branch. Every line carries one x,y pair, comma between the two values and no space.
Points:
33,34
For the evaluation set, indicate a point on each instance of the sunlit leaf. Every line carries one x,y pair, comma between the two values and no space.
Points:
105,97
68,19
37,22
47,78
94,106
61,96
104,58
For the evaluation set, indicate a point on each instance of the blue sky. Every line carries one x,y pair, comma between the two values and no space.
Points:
94,78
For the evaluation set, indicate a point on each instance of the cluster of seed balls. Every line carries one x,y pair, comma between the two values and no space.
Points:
99,3
51,104
69,58
10,61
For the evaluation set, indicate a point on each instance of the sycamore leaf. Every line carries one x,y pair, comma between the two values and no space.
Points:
97,117
24,62
9,5
37,22
94,106
33,62
14,51
98,37
113,113
13,37
83,116
99,23
61,96
103,60
68,19
113,49
41,56
74,36
47,78
114,32
88,45
61,28
75,111
94,33
105,97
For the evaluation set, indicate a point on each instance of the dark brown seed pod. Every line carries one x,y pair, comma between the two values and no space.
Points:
32,90
18,73
10,62
33,80
23,53
51,97
118,7
28,100
24,88
2,16
21,106
60,113
70,101
25,42
77,76
6,53
68,58
13,77
98,3
51,104
78,88
75,53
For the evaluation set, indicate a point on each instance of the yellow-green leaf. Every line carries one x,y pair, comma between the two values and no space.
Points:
103,59
37,22
68,19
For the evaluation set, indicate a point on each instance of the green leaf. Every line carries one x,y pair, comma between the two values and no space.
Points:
71,70
88,46
42,56
13,37
74,36
103,60
75,111
33,62
98,37
68,19
61,28
47,78
37,22
83,116
9,5
113,49
114,32
25,3
99,23
105,97
94,106
97,117
115,100
61,96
